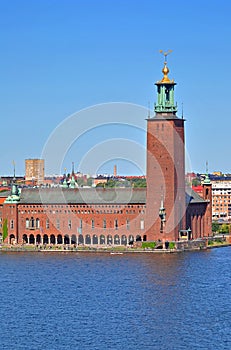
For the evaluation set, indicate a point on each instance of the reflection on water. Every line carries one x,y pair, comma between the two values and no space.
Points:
103,301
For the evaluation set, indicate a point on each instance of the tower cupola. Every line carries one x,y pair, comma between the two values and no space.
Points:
14,196
165,91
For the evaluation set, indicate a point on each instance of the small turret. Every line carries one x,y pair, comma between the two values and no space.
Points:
207,186
72,182
14,196
65,184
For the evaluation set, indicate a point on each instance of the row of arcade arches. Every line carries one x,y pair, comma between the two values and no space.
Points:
81,239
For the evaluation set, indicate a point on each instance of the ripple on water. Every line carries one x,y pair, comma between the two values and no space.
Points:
98,301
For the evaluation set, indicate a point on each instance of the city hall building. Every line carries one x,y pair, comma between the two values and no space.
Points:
164,210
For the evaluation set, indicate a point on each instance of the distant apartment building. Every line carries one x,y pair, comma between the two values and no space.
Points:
100,179
221,199
34,170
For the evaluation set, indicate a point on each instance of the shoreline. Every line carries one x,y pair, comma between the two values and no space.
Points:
107,250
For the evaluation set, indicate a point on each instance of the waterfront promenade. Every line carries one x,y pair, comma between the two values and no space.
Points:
173,247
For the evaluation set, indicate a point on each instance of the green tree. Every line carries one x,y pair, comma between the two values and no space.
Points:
80,181
89,181
139,183
215,227
101,184
196,182
224,228
5,230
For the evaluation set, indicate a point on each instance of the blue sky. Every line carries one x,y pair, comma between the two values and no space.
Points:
59,57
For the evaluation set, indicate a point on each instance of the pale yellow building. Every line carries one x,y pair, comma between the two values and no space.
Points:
34,170
221,199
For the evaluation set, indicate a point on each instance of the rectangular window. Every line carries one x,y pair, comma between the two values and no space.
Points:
116,224
11,224
69,224
58,224
142,224
81,223
37,223
104,224
127,224
47,223
92,224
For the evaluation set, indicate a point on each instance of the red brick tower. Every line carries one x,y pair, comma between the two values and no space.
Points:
165,165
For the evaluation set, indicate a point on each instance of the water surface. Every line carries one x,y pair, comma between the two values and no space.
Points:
102,301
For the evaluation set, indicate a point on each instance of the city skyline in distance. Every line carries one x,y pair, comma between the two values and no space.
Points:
59,59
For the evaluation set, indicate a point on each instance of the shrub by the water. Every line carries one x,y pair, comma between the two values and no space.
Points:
150,245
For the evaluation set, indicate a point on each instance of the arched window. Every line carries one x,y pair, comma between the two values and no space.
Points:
124,240
81,239
37,223
95,240
31,239
66,239
109,239
45,239
27,223
24,238
102,239
130,239
59,239
88,239
116,239
52,239
142,224
32,222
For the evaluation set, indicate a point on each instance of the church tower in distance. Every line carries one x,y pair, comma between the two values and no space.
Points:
165,165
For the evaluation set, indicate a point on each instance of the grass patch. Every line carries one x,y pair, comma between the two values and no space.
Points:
150,245
171,245
217,242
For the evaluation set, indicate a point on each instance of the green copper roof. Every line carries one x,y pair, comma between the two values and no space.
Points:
207,180
14,195
72,182
12,199
93,196
83,196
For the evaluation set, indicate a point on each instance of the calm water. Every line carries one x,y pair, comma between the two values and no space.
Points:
97,301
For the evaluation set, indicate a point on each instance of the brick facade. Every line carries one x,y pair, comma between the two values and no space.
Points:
165,175
81,223
107,216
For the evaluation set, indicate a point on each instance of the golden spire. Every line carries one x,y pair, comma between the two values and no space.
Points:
165,70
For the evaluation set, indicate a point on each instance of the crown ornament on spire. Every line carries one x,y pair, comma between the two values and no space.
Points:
165,70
